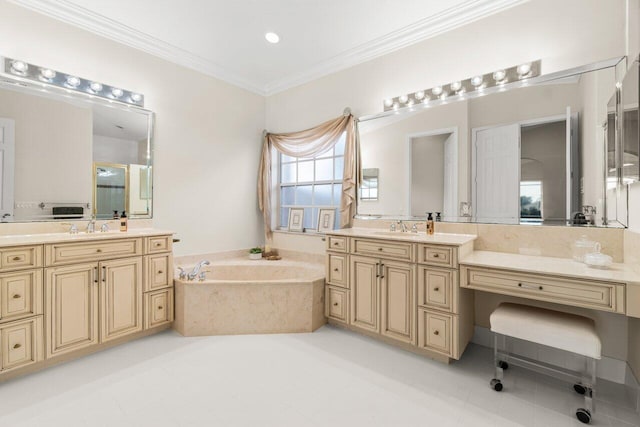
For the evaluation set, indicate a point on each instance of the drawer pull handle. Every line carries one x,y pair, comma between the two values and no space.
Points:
530,286
160,307
159,271
336,269
436,255
380,249
158,244
335,243
16,296
436,332
17,258
436,289
335,304
98,250
16,346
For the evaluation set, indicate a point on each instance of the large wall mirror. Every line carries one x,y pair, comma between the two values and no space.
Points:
533,153
65,156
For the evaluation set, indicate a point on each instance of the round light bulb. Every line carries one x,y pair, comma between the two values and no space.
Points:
47,73
73,81
419,95
499,75
455,86
426,100
117,93
388,102
443,96
524,69
436,90
136,97
19,66
476,80
95,87
395,106
410,102
272,37
403,99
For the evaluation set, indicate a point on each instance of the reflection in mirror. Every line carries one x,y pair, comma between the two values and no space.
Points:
369,185
629,97
50,145
111,190
532,154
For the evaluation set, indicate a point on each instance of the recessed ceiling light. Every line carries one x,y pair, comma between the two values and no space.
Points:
272,37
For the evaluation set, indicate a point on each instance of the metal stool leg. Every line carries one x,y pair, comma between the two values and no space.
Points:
496,382
587,388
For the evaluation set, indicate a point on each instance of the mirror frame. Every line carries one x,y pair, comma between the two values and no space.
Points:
619,65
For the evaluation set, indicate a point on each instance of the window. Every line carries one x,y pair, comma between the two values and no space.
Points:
531,200
369,185
311,183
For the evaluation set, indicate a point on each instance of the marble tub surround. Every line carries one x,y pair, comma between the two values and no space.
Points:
543,240
243,296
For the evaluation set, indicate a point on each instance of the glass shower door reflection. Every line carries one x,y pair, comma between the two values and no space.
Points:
110,190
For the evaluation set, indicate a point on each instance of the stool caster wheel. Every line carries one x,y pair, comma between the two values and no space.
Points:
503,365
496,384
579,388
583,415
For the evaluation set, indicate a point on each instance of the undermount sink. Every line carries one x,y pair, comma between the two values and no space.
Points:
398,233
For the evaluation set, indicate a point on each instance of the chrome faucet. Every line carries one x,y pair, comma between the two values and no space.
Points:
104,228
414,228
73,229
196,270
182,273
392,227
91,227
403,226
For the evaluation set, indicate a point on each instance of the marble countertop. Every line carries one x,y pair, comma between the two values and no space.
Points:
627,273
40,238
420,237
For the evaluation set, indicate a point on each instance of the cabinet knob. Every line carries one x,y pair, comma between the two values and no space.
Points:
436,289
159,271
380,249
436,255
335,304
17,258
336,269
158,244
436,332
98,250
16,296
16,346
160,307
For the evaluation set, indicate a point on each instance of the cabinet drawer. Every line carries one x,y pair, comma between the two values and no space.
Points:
20,258
158,272
21,343
158,308
67,253
435,331
157,244
395,250
436,288
337,304
440,256
337,270
606,296
337,244
20,294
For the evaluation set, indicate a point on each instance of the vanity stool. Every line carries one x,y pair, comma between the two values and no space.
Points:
564,331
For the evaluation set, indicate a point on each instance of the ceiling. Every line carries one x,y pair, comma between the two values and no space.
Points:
225,38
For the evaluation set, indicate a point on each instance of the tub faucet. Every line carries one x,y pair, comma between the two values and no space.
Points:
196,270
182,273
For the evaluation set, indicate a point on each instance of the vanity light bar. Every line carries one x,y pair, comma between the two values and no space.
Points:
471,87
48,77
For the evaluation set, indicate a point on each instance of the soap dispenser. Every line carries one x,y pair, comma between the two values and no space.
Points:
123,221
430,226
438,217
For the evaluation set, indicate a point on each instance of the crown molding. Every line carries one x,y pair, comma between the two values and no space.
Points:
465,13
432,26
69,13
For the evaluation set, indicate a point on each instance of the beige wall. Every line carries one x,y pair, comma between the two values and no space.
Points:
427,174
207,132
48,157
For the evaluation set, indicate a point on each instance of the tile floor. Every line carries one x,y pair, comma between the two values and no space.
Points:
329,378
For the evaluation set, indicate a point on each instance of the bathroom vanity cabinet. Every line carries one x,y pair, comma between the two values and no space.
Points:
63,299
402,288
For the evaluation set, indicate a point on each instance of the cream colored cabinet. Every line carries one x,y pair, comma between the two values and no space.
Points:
365,274
71,306
20,343
158,282
20,294
159,308
397,308
403,292
120,298
159,271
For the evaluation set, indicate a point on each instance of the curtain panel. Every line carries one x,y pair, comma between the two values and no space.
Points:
310,143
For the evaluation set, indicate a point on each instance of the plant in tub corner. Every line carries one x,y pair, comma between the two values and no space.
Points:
255,253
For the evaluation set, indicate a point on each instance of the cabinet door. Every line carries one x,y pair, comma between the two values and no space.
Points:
71,302
436,288
159,272
398,307
120,297
21,343
158,308
20,294
337,305
337,270
364,288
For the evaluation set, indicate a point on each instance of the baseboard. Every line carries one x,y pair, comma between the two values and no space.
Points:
610,369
